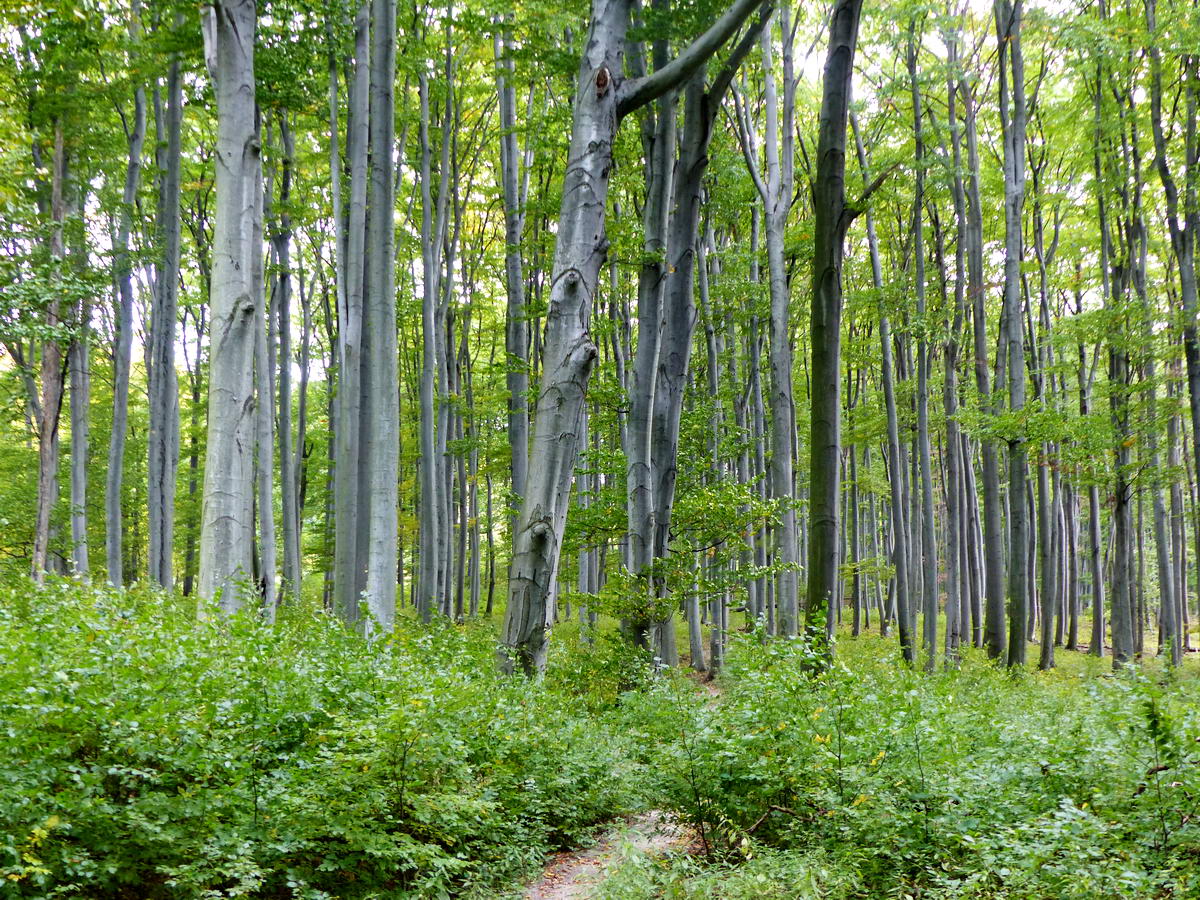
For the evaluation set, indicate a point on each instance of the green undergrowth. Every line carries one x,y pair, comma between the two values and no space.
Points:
869,780
146,754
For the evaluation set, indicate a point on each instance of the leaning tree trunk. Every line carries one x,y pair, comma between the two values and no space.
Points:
227,524
831,219
602,97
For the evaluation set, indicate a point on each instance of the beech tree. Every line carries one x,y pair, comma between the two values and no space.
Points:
603,96
227,529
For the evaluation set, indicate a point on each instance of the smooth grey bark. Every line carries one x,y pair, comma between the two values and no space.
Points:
928,558
163,438
1047,505
348,575
227,527
719,604
427,578
832,218
602,97
701,107
777,196
264,419
281,240
900,553
1118,259
516,341
1171,639
195,378
958,534
432,579
641,504
48,409
992,546
1182,223
135,136
1178,535
382,439
1012,68
79,365
302,450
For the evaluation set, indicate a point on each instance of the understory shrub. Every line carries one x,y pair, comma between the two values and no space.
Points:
973,782
144,753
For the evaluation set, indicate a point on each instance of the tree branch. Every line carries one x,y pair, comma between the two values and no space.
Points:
637,92
853,210
724,78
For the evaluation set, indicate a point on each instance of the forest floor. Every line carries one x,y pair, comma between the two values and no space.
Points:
237,758
576,875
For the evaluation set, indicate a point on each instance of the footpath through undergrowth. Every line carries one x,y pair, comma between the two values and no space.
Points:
147,754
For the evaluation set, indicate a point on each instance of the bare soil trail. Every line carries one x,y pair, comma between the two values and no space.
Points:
576,874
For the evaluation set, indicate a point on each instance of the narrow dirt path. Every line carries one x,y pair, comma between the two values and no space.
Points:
575,875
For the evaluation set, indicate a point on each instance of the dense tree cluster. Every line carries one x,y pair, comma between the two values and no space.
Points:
751,313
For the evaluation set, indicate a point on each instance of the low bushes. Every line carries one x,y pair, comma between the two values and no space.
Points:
146,754
972,783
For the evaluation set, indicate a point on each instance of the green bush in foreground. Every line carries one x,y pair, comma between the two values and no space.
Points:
871,780
145,754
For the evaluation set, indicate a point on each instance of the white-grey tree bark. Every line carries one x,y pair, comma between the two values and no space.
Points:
123,321
163,438
602,97
516,341
348,574
281,240
1012,71
383,418
227,526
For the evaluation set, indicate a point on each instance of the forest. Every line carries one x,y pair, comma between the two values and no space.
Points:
683,449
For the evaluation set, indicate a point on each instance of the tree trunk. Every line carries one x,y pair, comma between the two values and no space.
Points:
1008,29
516,341
928,558
227,527
288,484
382,420
602,97
348,576
50,406
163,439
832,217
123,321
